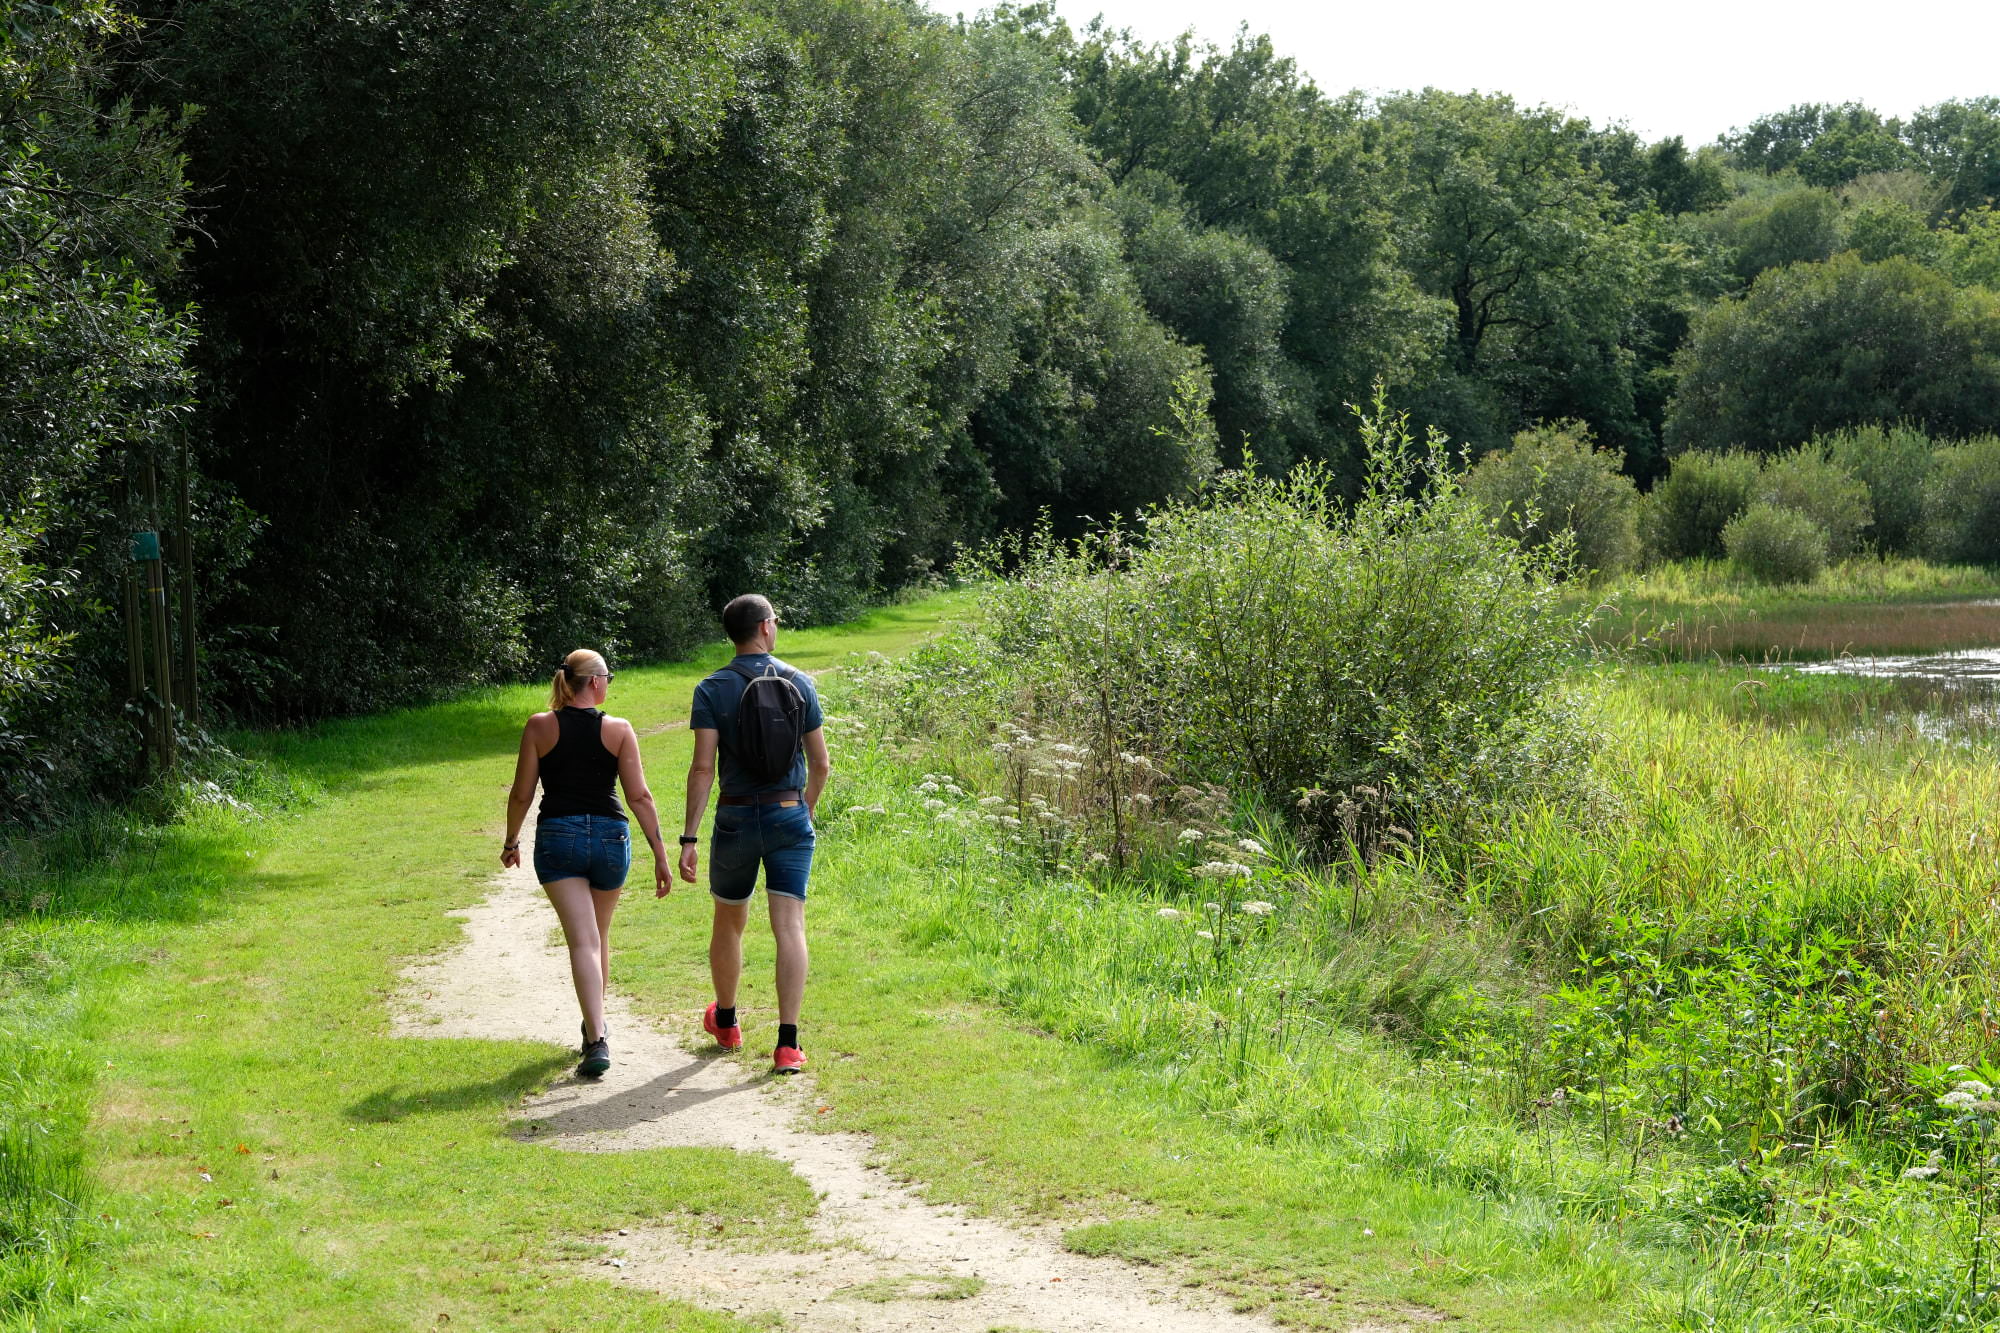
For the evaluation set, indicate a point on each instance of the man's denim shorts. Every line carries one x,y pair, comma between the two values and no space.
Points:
777,837
593,847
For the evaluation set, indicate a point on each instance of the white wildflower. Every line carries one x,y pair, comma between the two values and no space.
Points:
1222,870
1169,914
926,787
1920,1172
1140,798
1212,907
933,804
877,810
1258,908
1251,845
1098,859
1062,749
991,801
1957,1099
857,809
1192,835
1002,748
1205,934
1975,1087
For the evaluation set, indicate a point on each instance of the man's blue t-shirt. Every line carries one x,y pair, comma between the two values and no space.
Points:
716,700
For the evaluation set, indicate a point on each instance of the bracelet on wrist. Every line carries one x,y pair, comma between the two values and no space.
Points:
686,841
511,847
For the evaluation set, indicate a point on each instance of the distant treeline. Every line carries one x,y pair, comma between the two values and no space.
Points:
491,329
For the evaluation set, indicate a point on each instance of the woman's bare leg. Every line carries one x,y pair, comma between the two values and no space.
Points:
603,905
572,900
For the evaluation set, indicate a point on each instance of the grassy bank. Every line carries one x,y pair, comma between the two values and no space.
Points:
1673,1059
1696,610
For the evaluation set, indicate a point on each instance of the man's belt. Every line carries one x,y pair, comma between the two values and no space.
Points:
792,797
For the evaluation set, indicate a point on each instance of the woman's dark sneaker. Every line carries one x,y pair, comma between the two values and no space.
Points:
596,1058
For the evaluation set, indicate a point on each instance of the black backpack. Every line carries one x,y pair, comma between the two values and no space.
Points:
769,723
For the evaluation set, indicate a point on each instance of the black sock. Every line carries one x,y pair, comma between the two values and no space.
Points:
788,1035
725,1018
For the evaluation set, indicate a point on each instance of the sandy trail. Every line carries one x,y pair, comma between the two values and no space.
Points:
889,1262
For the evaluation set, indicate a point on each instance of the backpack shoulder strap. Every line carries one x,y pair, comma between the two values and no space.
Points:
741,670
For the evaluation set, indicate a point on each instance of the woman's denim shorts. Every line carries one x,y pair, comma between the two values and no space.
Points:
593,847
777,837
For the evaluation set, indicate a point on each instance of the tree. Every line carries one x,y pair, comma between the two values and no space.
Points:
1958,143
1825,144
1258,153
1095,421
434,311
93,382
1816,347
1796,225
1552,481
1226,294
1885,228
1508,225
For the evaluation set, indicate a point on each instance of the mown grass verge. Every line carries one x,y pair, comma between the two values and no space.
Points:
205,1121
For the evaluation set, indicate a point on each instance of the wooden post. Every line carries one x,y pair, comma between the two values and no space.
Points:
190,694
162,694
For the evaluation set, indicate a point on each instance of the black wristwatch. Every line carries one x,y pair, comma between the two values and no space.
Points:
686,841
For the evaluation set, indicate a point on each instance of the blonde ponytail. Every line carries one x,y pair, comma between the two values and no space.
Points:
576,667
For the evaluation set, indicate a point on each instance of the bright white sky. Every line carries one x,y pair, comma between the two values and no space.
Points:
1695,68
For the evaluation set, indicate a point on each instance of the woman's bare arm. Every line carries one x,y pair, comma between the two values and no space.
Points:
527,772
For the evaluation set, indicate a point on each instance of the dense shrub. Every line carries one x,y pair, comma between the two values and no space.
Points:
1775,544
1684,516
1552,482
1893,462
1815,347
1962,503
1384,665
1809,482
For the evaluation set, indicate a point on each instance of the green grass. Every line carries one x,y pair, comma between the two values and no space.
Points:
1334,1113
198,1012
1658,1061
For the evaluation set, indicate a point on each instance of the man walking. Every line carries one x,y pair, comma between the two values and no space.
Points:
760,721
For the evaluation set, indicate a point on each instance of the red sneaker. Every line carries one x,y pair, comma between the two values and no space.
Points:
728,1038
787,1060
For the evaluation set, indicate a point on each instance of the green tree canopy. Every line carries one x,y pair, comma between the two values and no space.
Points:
1826,144
1816,347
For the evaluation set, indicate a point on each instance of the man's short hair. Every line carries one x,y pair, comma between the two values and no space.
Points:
742,616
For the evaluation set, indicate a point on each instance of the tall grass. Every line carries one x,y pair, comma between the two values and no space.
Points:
1716,1006
1695,610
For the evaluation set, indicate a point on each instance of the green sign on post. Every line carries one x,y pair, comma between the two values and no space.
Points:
145,546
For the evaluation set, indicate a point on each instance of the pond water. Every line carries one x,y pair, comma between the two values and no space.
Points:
1975,666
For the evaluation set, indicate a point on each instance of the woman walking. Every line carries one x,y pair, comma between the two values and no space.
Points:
583,845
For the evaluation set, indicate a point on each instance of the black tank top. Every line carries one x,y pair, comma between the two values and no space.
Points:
578,773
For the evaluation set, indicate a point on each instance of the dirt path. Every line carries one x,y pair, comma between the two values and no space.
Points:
889,1261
